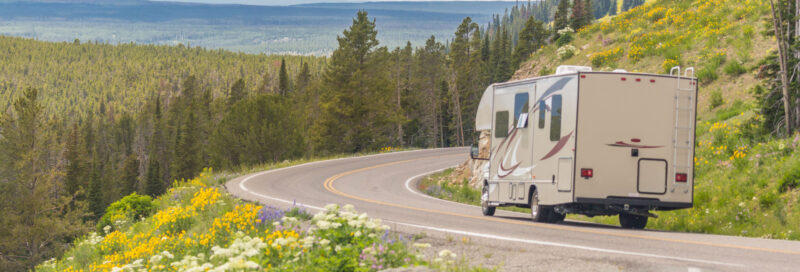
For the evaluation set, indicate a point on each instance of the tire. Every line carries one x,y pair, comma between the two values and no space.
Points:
539,213
632,221
485,208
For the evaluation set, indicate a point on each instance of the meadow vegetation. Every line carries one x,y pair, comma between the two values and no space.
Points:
197,226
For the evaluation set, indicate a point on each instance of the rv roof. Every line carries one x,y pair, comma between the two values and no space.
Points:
568,69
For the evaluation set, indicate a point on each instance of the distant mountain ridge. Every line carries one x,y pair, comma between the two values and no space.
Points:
296,29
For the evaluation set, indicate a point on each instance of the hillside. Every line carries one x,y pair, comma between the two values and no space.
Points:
706,35
746,180
77,76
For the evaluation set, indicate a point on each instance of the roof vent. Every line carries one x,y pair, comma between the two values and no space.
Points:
568,69
620,71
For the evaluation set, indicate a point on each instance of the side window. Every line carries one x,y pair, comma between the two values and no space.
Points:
555,119
520,106
501,124
542,110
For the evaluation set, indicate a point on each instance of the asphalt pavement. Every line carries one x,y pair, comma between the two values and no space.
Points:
384,187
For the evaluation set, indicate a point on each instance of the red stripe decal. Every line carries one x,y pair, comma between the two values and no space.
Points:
561,143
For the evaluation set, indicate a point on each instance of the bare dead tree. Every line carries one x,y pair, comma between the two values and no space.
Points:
782,56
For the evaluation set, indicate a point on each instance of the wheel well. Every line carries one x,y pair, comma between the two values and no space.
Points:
530,193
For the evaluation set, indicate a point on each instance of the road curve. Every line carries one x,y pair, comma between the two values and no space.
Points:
383,186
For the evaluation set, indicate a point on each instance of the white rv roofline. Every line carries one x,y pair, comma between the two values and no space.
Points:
528,80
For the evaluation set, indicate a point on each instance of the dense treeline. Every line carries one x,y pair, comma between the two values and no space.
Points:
780,95
89,123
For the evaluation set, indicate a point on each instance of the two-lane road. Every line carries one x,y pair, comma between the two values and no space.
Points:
383,186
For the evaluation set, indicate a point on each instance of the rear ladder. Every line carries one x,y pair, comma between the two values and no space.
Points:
683,139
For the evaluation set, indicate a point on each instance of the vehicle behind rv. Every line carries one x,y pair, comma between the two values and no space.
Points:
592,143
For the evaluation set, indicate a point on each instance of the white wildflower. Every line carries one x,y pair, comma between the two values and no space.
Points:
422,245
322,224
324,242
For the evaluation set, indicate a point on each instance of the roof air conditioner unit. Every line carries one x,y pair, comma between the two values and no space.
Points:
568,69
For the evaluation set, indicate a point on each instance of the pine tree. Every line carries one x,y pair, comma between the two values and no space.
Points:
154,186
154,183
265,86
303,78
187,162
355,105
578,15
460,55
237,93
96,205
39,219
283,79
73,178
561,18
588,14
531,38
130,175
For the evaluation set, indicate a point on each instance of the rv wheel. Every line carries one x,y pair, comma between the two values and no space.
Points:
539,213
632,221
485,208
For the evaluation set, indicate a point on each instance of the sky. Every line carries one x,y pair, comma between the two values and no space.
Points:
295,2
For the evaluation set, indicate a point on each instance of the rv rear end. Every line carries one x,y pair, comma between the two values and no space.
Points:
634,147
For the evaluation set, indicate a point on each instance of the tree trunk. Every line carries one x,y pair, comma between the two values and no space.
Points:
398,87
777,22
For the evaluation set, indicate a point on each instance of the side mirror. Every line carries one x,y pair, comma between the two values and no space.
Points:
474,151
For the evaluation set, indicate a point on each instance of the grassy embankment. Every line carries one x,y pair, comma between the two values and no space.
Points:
746,182
197,226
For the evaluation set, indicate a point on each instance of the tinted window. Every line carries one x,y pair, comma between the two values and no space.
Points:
501,124
542,110
520,106
555,118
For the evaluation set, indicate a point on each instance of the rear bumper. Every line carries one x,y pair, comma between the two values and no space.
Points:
649,203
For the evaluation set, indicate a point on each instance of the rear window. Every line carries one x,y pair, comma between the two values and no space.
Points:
501,124
555,118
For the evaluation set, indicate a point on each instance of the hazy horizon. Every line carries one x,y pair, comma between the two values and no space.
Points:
299,2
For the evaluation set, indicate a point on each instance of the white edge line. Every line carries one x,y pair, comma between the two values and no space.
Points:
474,234
545,243
245,180
408,187
416,192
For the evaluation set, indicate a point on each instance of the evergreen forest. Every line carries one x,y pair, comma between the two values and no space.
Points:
84,124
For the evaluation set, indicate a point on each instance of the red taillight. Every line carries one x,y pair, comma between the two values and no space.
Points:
652,81
638,79
587,172
623,79
680,177
583,76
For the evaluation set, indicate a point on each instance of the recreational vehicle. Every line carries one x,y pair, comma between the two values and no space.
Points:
591,143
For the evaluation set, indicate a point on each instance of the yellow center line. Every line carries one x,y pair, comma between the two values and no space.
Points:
329,186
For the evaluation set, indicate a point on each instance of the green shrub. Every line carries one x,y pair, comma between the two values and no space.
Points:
546,71
564,39
707,75
790,180
126,210
734,68
716,99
